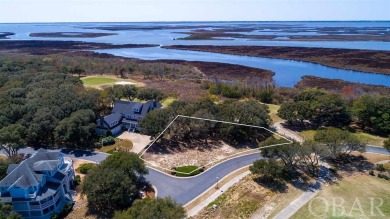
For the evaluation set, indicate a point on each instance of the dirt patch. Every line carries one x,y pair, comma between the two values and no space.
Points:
194,153
76,164
373,158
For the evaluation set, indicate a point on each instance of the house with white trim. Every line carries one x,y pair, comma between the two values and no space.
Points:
125,116
39,186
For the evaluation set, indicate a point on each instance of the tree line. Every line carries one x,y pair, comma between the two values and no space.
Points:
45,109
317,108
247,112
284,161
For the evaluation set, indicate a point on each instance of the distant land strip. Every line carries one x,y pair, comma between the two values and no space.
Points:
4,35
340,86
71,34
40,47
371,61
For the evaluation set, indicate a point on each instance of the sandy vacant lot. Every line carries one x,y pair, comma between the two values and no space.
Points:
139,141
195,153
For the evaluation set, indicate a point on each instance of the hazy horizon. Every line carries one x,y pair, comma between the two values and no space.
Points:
69,11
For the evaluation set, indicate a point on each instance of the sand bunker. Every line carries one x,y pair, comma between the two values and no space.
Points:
124,82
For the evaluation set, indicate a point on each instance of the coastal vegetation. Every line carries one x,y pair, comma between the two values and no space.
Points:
316,108
156,208
358,60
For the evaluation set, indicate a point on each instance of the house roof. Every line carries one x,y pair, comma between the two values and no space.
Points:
109,119
46,165
125,107
24,175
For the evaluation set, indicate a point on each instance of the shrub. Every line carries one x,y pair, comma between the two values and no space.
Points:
380,167
78,179
383,176
85,168
333,170
371,173
108,141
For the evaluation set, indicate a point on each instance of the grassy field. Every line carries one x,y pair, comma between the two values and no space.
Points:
273,111
357,192
92,81
101,82
119,143
369,139
167,101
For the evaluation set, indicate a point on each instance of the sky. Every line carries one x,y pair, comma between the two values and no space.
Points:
12,11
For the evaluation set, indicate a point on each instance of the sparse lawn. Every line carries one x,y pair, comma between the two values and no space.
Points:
245,198
126,145
356,192
308,134
369,139
273,111
188,170
167,101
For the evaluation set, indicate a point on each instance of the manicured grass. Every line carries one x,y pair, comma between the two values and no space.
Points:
102,82
356,191
93,81
188,170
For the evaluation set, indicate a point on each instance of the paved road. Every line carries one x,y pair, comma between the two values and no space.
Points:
182,190
377,150
287,132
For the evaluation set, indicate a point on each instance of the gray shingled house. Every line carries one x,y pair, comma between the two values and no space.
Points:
39,186
125,116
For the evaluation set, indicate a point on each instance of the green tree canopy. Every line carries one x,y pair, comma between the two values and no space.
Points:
6,212
115,183
373,112
386,144
339,142
269,169
77,130
12,138
164,208
150,94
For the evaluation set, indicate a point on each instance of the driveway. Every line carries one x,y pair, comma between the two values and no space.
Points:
139,141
